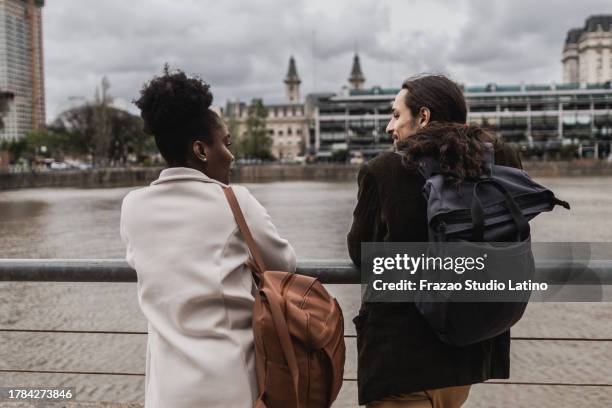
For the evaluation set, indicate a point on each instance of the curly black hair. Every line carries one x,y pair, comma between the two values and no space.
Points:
175,109
459,148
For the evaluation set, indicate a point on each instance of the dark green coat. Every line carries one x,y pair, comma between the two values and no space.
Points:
398,352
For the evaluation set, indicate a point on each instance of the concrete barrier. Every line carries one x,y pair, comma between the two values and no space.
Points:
98,178
128,177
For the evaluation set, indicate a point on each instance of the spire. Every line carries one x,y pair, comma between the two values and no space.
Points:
356,79
292,75
292,82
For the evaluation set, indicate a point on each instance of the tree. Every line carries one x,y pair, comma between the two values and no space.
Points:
95,130
5,97
16,149
127,137
340,155
233,127
102,133
256,143
49,143
4,105
78,123
124,133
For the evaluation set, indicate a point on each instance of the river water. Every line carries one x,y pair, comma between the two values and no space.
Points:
314,216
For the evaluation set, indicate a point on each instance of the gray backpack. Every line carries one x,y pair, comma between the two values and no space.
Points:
495,208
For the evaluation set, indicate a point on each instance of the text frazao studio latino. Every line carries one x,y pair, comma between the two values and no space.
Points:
459,265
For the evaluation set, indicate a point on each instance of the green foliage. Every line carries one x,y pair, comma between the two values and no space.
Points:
340,156
17,149
96,131
233,127
4,100
127,137
124,133
73,134
48,143
106,134
256,143
568,152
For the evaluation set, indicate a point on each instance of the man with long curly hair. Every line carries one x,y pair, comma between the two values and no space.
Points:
401,361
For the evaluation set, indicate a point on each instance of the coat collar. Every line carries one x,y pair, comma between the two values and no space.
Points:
184,173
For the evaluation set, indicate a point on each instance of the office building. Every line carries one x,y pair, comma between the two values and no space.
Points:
538,118
21,66
286,122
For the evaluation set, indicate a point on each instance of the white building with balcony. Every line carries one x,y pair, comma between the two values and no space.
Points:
587,54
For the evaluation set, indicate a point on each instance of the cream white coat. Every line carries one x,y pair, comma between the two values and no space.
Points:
197,296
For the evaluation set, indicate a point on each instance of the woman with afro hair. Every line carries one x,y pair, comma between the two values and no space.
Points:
189,255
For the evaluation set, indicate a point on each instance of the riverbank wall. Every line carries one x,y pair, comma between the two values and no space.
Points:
139,176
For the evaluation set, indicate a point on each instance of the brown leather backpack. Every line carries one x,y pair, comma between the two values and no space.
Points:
299,334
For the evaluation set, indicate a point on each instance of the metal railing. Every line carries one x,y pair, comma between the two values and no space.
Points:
328,272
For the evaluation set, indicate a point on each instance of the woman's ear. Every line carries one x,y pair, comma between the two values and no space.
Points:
199,150
424,117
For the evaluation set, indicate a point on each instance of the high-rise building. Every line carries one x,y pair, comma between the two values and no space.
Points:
21,66
587,54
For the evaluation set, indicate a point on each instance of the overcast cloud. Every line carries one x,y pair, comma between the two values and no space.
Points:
242,47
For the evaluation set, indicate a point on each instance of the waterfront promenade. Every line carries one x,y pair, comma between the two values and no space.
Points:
136,176
560,356
552,380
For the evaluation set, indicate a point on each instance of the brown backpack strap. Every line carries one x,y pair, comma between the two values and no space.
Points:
275,300
244,228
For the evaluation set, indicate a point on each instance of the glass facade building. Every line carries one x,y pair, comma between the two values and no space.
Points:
21,66
542,119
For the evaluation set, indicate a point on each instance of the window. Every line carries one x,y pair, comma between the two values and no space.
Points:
289,131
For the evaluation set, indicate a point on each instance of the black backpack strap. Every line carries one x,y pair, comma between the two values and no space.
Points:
428,166
562,203
478,212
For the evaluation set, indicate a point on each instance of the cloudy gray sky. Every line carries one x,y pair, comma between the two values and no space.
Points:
242,47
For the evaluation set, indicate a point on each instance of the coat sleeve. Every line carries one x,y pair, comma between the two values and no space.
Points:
129,251
365,215
277,252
